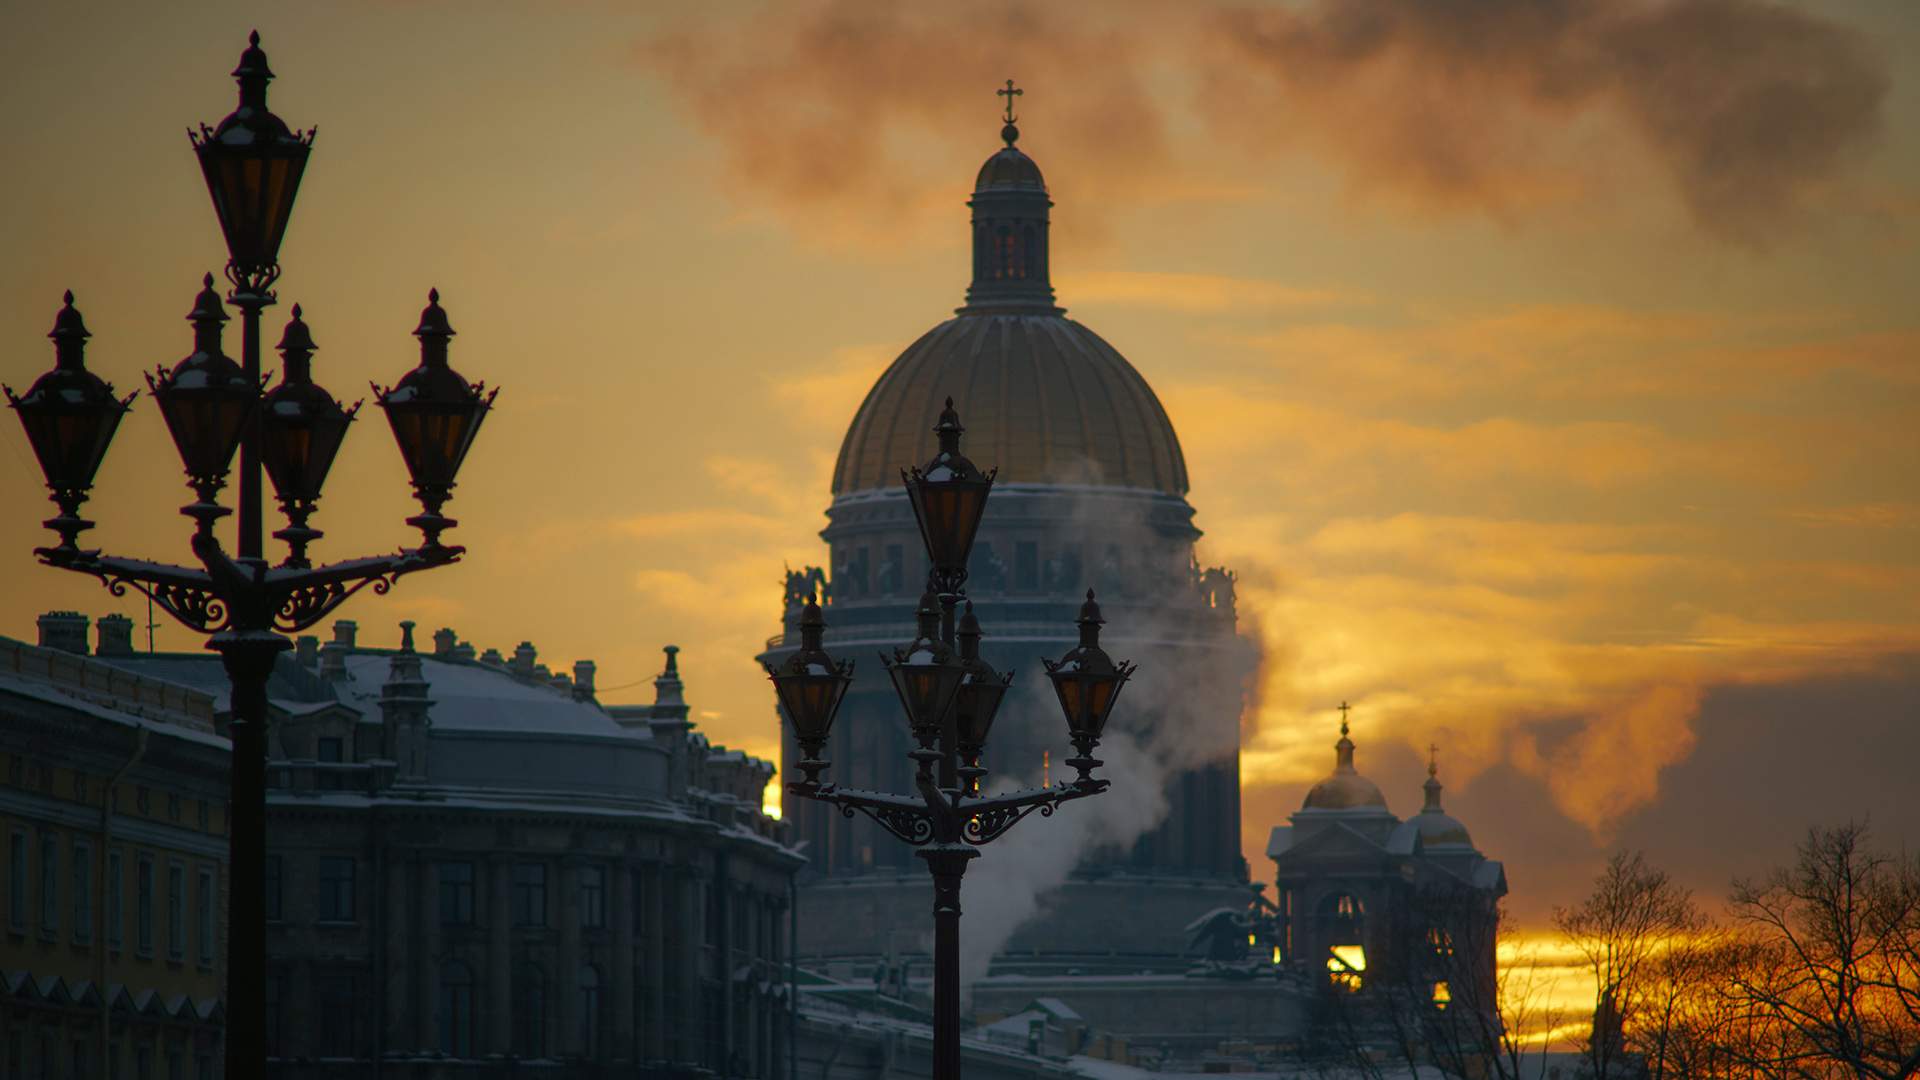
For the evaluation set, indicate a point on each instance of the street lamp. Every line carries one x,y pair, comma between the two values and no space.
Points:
215,407
950,696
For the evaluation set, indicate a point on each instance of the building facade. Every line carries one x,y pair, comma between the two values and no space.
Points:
475,868
1091,492
113,801
1368,902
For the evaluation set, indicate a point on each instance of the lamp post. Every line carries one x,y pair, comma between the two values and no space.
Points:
214,407
950,696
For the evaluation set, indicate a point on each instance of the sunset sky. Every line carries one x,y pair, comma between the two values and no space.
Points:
1550,373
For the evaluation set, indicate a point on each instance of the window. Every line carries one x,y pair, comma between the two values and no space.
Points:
82,893
49,884
79,1070
593,897
332,752
143,909
143,1063
529,894
456,1009
115,900
271,1006
176,1065
203,1066
176,912
336,995
892,570
530,1013
336,888
17,883
205,910
456,894
272,900
590,1011
1026,565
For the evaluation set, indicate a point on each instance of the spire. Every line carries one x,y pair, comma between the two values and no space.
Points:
1010,223
669,699
1433,781
1343,750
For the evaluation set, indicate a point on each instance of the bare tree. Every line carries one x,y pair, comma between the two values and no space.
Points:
1836,991
1626,931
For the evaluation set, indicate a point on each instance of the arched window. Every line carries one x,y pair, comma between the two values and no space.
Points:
456,1015
590,1011
1344,923
1006,254
530,1013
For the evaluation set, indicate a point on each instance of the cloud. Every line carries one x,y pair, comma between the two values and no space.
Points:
846,119
1207,293
1746,106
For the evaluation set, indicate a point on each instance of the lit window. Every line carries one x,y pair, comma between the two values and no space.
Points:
1442,996
1347,965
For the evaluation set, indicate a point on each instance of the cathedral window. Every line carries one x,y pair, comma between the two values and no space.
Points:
1030,254
1442,996
1007,258
593,897
1440,942
529,894
456,894
1347,967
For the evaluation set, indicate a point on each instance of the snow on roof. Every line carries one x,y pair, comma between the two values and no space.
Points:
473,697
40,691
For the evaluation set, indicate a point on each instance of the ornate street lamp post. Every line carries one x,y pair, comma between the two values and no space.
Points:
950,696
214,407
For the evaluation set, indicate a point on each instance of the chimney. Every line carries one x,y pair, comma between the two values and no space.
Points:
444,640
492,658
115,636
403,710
306,651
463,651
344,631
522,665
561,681
583,680
65,631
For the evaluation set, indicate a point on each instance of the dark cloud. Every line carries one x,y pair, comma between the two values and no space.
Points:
1746,105
1492,106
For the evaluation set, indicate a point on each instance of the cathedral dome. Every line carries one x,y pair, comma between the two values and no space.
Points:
1009,168
1437,828
1044,398
1346,789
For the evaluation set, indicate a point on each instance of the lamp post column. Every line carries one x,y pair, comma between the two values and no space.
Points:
251,302
947,863
248,656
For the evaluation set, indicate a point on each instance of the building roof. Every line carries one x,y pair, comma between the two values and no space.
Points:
1043,398
1345,789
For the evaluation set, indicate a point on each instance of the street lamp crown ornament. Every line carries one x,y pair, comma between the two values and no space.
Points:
810,685
70,415
435,414
949,497
252,163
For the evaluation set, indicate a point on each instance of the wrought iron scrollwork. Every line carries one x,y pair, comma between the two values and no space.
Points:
985,827
198,609
308,604
910,825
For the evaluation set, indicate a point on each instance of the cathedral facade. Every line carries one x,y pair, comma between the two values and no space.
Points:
1091,493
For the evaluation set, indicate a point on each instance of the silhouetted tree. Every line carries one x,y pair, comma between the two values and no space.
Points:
1833,983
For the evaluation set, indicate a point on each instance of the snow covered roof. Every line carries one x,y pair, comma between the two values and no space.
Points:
475,697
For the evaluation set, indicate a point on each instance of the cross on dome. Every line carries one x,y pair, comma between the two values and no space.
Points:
1010,133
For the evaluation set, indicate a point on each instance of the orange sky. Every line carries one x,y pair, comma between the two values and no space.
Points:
1552,379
